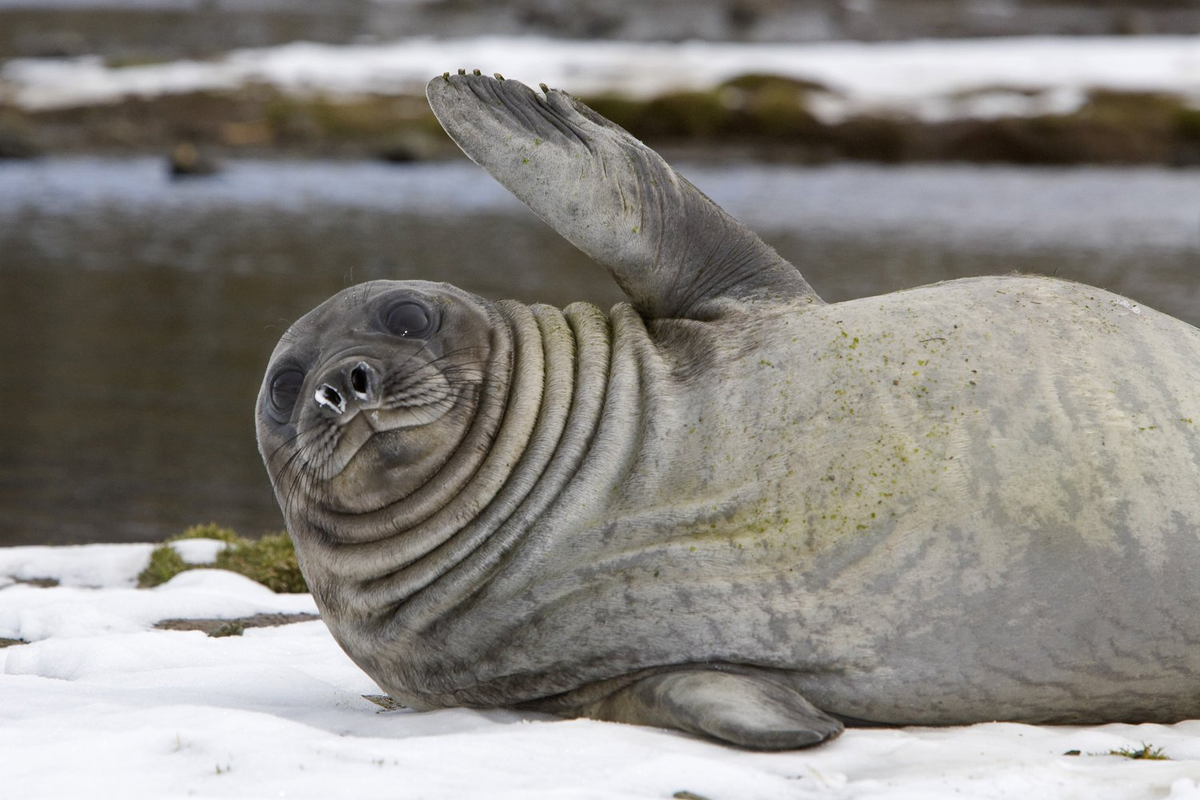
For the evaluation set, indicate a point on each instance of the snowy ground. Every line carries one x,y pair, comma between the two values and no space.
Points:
101,704
928,79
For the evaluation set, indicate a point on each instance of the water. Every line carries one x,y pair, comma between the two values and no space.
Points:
137,314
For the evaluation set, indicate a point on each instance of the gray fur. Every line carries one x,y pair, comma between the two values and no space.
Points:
971,501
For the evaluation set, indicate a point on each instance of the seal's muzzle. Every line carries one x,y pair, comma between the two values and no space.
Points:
358,383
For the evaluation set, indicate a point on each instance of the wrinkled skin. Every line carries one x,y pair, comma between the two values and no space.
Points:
729,508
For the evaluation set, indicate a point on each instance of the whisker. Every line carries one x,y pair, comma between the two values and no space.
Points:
286,500
282,445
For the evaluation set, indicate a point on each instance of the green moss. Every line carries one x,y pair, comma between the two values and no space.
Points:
270,560
1130,109
754,107
1185,123
370,118
164,564
209,530
760,82
679,115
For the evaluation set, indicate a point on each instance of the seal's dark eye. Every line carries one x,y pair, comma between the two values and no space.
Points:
408,318
285,389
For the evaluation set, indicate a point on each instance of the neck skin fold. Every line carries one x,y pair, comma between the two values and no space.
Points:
537,416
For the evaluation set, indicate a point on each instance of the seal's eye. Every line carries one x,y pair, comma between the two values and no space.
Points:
285,389
408,318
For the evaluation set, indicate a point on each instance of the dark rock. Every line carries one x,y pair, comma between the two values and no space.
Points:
232,627
186,161
40,583
15,142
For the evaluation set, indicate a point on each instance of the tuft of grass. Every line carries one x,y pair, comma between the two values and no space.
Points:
164,564
1145,752
270,560
209,530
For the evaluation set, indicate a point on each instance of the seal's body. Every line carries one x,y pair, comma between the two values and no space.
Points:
729,507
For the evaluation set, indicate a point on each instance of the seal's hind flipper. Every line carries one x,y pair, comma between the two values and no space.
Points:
746,709
672,250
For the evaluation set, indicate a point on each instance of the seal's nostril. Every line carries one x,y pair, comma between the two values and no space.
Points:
360,380
330,398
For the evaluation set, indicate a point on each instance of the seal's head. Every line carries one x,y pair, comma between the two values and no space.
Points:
371,393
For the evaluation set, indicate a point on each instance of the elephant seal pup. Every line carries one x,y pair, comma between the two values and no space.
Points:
728,507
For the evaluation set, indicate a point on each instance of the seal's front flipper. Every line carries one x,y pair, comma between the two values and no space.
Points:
748,710
672,250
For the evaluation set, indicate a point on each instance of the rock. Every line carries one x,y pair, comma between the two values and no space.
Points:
187,161
16,142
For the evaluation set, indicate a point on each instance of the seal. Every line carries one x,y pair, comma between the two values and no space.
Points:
727,507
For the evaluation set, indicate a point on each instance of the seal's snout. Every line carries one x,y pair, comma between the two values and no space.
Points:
356,383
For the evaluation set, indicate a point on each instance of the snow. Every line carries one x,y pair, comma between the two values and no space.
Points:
198,551
101,704
93,566
934,79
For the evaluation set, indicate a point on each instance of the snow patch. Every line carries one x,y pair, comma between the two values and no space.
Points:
92,565
198,551
143,713
929,79
34,614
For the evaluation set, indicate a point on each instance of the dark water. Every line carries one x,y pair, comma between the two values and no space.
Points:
136,314
154,29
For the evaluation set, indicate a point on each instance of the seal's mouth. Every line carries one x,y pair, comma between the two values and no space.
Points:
359,428
369,430
357,447
356,400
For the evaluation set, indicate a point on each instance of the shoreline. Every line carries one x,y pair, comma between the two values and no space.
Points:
758,117
1021,100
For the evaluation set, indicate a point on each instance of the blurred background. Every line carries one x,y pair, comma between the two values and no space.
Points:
180,179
